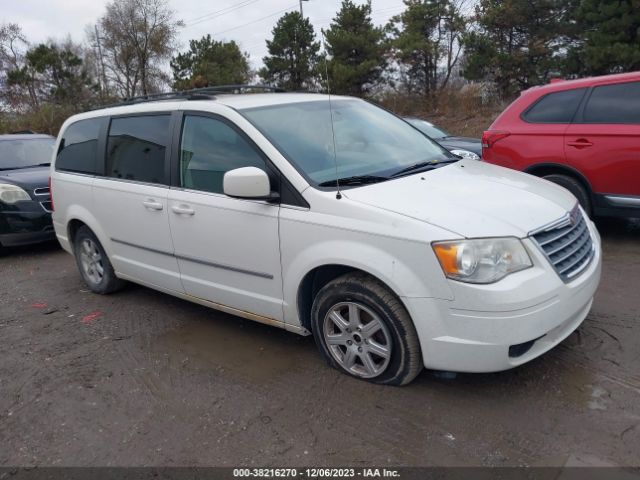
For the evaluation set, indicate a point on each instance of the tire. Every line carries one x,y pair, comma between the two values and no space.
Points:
575,187
94,265
357,345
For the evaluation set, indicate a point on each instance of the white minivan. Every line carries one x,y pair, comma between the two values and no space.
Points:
326,216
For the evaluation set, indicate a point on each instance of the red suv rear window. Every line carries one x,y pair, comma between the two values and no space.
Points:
556,107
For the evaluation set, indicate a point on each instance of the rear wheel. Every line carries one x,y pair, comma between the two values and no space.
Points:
93,263
362,329
575,187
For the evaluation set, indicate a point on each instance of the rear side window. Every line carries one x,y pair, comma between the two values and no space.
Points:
78,147
557,107
209,149
618,103
136,148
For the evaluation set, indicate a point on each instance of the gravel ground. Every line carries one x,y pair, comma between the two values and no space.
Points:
142,378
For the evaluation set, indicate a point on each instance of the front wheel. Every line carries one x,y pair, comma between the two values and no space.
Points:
363,329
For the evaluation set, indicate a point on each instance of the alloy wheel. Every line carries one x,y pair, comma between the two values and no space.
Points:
358,339
91,261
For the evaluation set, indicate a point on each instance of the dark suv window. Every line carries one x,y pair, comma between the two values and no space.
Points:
618,103
557,107
78,148
209,149
136,148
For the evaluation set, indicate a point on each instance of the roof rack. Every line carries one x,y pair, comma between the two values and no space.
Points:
205,93
23,132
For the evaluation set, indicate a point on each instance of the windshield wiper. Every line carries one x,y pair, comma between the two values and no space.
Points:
355,180
415,167
423,166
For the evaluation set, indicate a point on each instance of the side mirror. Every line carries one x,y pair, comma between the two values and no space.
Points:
248,182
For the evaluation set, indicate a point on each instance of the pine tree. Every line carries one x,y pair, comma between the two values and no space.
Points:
517,43
208,63
53,74
608,37
356,50
293,54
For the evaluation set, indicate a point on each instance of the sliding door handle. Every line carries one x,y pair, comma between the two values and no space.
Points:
152,204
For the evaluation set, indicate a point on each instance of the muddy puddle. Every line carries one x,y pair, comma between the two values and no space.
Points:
226,343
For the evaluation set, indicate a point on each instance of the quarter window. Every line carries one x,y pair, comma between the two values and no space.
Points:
210,148
557,107
618,103
137,147
78,148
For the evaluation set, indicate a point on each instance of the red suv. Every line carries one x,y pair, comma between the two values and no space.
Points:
581,134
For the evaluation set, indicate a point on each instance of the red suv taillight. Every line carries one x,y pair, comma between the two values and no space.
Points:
490,137
51,195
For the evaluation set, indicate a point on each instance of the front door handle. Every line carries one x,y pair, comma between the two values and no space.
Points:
580,143
152,204
183,210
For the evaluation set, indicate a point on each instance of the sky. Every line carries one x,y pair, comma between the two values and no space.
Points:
248,22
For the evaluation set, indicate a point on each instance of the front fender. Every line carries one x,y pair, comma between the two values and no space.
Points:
411,274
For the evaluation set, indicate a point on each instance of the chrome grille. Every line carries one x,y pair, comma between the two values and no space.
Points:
47,205
41,191
567,244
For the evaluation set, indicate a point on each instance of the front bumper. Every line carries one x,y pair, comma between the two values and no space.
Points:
25,223
488,328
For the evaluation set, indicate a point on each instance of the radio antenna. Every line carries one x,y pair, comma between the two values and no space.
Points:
333,132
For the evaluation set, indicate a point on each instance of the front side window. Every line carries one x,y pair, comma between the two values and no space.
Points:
25,153
136,148
369,141
557,107
618,103
210,148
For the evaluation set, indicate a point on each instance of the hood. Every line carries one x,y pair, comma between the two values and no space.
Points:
26,178
472,144
471,199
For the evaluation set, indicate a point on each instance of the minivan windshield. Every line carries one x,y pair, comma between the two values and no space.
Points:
428,128
371,144
24,153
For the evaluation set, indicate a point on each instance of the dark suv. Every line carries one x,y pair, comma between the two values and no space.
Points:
581,134
25,202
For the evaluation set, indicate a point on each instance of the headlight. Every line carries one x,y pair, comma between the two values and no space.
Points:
484,260
466,154
12,194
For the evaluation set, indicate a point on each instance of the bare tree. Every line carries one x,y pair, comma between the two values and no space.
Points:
13,46
426,40
135,37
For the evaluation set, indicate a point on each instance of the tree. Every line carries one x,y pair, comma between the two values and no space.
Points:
516,44
607,37
293,54
12,49
136,37
54,74
208,63
427,40
356,50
